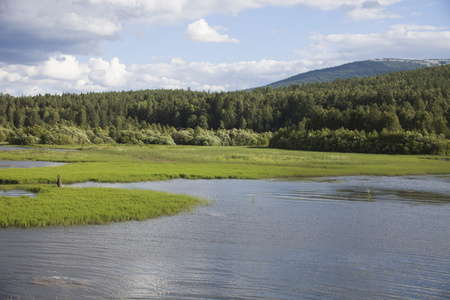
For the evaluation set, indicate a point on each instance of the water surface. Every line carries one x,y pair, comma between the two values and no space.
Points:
17,193
10,148
10,164
310,239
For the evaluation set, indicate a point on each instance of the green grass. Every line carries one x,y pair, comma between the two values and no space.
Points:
81,206
142,163
126,163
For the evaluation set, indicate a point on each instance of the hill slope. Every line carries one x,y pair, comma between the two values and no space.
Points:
359,69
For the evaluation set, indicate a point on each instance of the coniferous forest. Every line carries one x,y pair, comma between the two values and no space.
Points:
397,113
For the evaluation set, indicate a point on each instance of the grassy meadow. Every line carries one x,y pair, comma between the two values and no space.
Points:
130,163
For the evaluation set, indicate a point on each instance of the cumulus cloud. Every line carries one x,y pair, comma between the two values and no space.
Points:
63,73
97,26
36,30
368,10
402,41
179,74
107,74
100,75
200,31
236,6
64,67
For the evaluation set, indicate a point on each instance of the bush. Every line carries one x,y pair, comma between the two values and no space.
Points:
165,139
4,133
207,139
22,138
183,137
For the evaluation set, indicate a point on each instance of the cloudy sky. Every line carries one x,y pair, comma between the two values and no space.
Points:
56,46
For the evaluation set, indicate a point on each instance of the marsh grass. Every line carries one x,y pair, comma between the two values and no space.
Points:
369,196
82,206
126,163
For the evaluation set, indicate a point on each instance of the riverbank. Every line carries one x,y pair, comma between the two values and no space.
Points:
130,163
126,163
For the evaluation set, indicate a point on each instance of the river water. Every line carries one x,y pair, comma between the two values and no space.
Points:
327,238
10,164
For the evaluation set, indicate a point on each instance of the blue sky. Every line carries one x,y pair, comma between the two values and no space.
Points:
56,46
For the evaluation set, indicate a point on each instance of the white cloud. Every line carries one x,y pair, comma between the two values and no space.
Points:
100,75
236,6
214,77
200,31
64,67
401,41
370,13
95,25
356,9
38,29
108,74
63,74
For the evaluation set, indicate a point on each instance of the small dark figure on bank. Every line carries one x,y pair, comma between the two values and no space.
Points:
59,183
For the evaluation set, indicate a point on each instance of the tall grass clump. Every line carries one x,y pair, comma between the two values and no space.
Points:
75,206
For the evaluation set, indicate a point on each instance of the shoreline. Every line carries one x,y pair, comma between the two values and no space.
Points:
55,206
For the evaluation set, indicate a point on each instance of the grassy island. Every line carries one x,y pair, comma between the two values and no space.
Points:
55,206
81,206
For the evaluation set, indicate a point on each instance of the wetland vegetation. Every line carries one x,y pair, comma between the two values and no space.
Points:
131,163
72,206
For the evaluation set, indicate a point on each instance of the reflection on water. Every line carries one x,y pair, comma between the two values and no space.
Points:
420,189
8,164
60,282
308,239
17,193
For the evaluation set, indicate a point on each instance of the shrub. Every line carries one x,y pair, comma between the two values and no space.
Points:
207,139
183,137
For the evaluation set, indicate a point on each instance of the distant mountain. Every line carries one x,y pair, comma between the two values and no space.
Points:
358,69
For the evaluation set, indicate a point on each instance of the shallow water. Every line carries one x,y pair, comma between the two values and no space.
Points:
9,164
335,238
17,193
10,148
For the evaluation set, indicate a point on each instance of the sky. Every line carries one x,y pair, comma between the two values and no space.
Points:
82,46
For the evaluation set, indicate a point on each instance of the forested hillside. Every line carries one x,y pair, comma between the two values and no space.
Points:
358,69
401,102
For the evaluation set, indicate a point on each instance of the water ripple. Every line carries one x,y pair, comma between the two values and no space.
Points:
309,239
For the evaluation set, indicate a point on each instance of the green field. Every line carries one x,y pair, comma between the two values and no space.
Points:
127,163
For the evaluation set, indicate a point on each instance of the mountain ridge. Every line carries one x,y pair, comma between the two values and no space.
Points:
365,68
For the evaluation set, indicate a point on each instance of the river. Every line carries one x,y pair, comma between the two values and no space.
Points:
318,238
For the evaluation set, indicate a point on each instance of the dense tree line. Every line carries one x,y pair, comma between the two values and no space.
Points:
345,140
411,101
155,134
